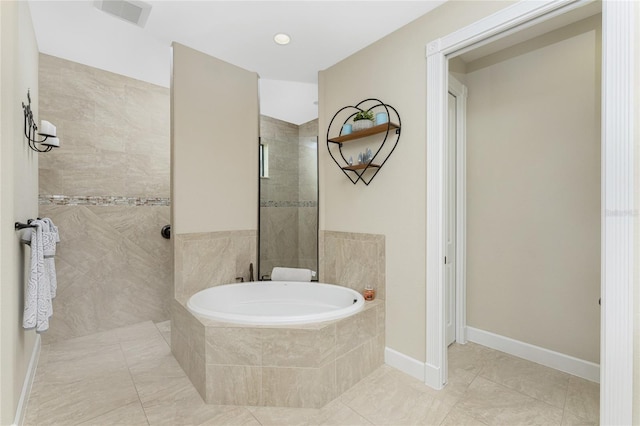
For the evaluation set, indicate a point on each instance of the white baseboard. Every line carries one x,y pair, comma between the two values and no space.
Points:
404,363
28,382
568,364
432,377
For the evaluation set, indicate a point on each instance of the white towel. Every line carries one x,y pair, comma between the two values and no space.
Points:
37,304
291,274
50,237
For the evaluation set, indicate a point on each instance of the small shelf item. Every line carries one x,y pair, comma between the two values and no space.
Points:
382,139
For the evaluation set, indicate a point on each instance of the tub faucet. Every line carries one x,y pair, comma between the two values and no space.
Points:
250,271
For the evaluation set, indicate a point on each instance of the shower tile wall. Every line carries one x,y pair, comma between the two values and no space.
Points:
308,191
289,197
107,189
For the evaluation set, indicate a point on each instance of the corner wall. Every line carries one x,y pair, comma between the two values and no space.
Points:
214,146
18,197
394,205
214,170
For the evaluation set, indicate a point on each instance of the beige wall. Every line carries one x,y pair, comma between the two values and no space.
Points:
18,196
107,190
393,70
533,191
636,364
214,161
214,156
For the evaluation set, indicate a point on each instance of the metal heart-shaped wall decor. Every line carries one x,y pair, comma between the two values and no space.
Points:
361,138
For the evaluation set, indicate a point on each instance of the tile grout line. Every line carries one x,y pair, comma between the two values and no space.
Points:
354,411
524,394
566,396
133,380
563,408
460,400
352,408
252,415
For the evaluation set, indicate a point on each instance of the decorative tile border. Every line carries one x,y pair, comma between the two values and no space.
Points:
107,200
288,204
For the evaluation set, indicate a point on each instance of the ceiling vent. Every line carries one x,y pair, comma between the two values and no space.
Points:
132,11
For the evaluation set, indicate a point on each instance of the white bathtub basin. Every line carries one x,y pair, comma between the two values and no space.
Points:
276,302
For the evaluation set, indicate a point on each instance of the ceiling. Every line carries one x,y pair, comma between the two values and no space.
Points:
240,32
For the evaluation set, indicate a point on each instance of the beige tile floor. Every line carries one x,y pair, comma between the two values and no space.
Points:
129,377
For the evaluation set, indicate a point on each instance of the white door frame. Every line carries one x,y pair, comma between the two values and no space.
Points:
617,257
459,90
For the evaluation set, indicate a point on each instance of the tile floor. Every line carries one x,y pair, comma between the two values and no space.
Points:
129,377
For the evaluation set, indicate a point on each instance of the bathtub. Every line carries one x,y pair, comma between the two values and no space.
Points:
276,302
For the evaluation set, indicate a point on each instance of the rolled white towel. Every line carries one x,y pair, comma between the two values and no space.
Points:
291,274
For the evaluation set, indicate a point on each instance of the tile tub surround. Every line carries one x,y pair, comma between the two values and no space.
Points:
209,259
353,260
303,366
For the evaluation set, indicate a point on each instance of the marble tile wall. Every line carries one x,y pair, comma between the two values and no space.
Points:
308,190
113,268
279,195
353,260
114,132
288,197
294,366
208,259
107,189
308,237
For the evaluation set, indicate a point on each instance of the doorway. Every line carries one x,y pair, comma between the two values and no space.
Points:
455,267
617,188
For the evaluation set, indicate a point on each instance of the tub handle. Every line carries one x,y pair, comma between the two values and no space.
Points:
166,231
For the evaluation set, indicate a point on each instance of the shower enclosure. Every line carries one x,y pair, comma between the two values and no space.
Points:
288,195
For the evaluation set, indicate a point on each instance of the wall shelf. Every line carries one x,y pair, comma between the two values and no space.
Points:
355,167
383,146
380,128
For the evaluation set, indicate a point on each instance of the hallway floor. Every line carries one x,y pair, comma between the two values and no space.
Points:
129,377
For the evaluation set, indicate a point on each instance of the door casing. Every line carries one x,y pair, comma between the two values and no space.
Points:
618,188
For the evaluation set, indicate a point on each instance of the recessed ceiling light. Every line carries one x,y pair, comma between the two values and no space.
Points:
281,38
